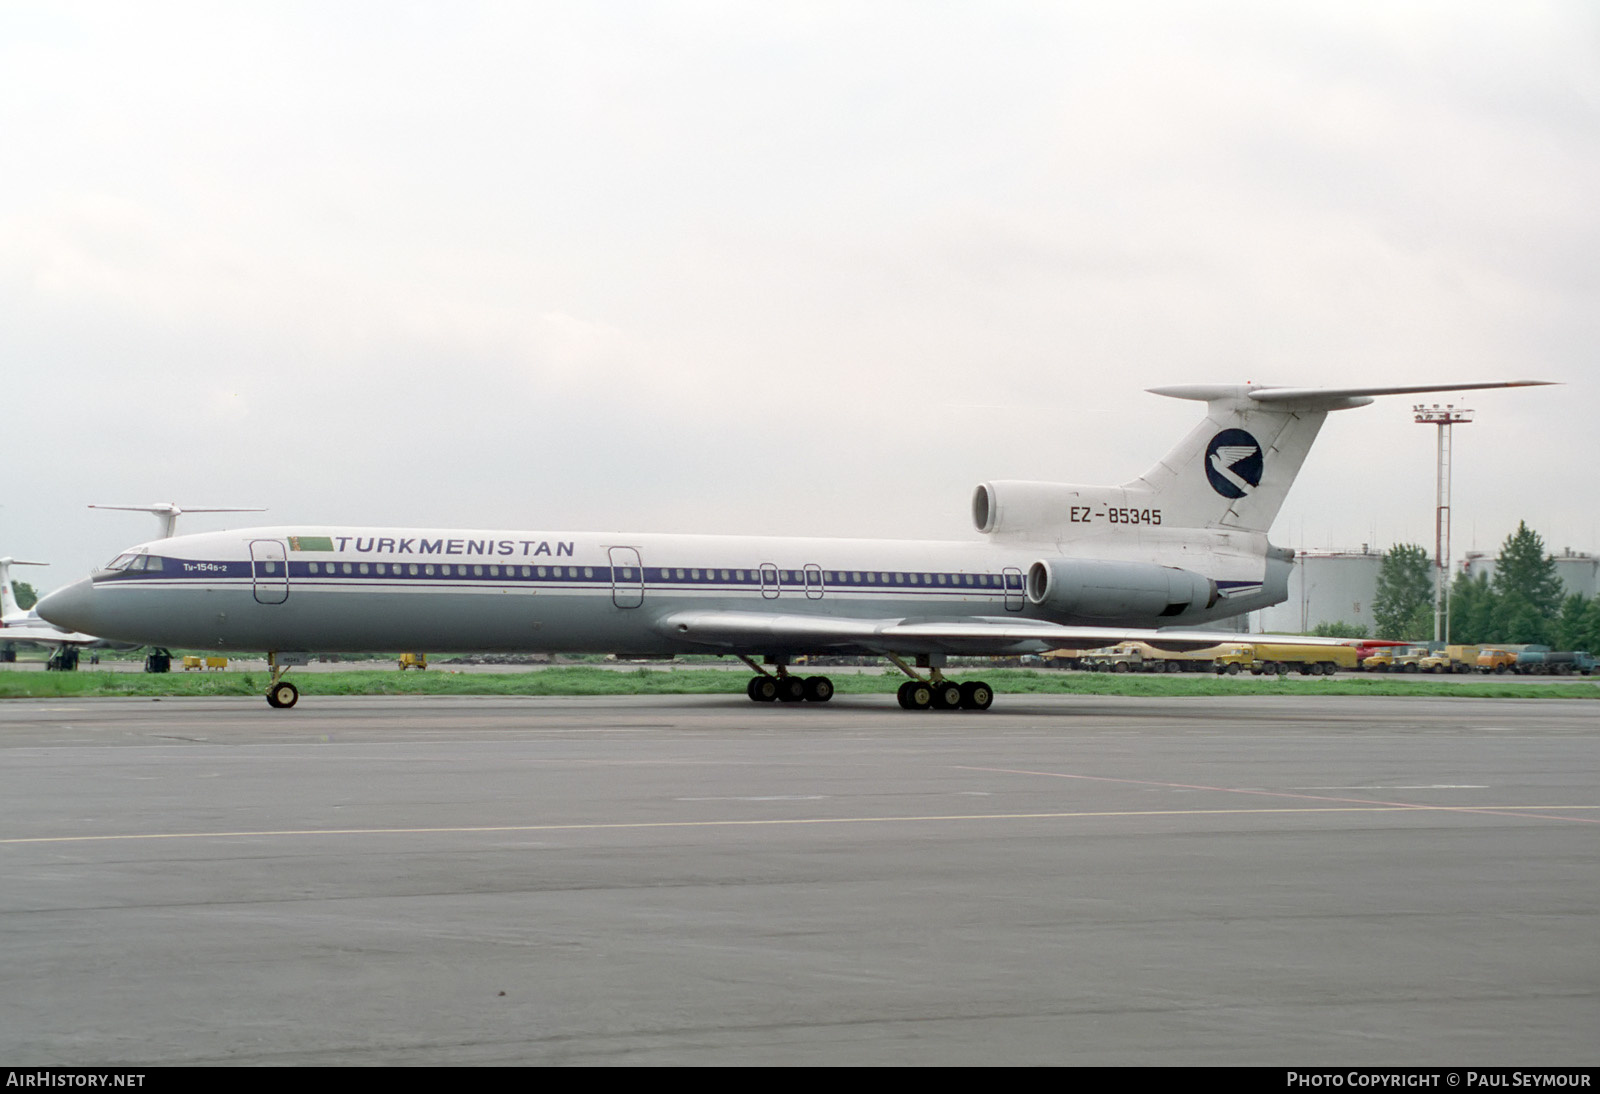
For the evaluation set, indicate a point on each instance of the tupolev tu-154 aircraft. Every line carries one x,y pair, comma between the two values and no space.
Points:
1058,565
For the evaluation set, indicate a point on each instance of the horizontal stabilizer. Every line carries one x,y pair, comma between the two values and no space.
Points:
1235,468
1322,398
168,512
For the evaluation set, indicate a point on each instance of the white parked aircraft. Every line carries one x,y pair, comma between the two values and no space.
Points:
1059,565
23,625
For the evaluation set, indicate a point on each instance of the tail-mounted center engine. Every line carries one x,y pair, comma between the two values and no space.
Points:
1094,589
1006,508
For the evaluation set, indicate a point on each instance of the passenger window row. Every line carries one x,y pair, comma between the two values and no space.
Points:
761,576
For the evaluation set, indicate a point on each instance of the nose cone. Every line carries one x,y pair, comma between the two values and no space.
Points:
71,608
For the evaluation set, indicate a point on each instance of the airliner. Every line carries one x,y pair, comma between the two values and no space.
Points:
1057,565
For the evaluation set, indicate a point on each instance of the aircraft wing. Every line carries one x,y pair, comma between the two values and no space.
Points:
746,632
45,635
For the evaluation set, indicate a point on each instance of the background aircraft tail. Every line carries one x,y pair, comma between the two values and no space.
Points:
8,597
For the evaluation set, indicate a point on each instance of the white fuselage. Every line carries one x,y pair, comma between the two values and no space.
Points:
350,589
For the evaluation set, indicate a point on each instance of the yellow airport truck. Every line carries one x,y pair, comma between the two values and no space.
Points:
1230,660
1396,659
1450,659
1306,659
1140,657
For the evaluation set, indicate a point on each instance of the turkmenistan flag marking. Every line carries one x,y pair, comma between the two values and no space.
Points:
310,543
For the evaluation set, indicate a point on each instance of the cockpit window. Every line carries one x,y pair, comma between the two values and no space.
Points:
135,560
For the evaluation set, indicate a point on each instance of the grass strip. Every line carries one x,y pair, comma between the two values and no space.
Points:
592,681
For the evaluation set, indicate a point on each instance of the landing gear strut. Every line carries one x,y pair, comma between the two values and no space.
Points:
938,693
280,693
766,687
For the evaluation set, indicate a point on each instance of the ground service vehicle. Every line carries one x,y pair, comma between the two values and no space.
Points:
1139,657
1379,661
1555,663
1498,661
1063,658
1366,647
1409,659
1127,657
1231,660
1450,659
1396,659
1280,657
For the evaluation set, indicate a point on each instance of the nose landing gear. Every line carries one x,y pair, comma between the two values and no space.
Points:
280,693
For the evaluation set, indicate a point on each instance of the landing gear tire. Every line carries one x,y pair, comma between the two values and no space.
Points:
916,695
818,689
283,695
762,689
976,695
946,695
791,689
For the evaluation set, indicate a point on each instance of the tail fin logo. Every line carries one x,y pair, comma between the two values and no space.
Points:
1233,463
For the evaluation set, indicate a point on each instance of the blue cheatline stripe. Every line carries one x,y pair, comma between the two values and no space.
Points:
897,581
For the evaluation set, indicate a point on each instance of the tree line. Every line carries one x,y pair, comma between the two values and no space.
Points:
1524,603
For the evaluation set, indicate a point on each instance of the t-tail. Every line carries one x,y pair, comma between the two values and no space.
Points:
9,610
1231,473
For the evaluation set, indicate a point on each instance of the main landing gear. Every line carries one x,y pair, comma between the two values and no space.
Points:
765,687
64,659
945,695
938,693
933,693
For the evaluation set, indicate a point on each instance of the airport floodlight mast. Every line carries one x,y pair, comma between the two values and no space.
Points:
1444,417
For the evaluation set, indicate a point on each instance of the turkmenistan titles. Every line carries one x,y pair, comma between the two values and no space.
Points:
421,545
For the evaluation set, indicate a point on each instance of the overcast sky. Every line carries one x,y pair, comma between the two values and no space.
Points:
796,268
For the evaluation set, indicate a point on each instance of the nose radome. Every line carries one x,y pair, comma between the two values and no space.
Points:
71,607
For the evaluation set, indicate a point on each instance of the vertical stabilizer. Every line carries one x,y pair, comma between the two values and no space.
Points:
8,597
1235,469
